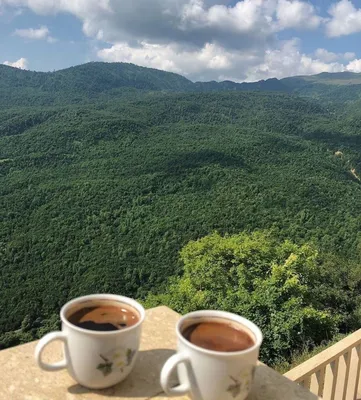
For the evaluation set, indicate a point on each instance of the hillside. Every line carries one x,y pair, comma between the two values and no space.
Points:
269,85
98,81
338,87
107,171
327,78
102,197
83,83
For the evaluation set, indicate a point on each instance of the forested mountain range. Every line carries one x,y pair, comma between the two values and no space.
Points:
103,81
108,170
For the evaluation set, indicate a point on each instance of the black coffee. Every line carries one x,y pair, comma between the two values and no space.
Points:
109,316
222,336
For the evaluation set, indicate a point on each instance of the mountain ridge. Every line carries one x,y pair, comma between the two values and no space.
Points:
85,82
111,169
321,75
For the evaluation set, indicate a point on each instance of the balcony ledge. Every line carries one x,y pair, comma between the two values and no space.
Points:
21,379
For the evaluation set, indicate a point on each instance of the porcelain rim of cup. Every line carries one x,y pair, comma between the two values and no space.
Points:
112,297
204,314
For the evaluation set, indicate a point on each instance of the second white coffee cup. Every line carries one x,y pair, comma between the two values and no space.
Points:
212,375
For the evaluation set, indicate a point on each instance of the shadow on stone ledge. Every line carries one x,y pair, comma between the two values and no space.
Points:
143,381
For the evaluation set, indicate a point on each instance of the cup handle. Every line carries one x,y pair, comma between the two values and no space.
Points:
166,373
50,337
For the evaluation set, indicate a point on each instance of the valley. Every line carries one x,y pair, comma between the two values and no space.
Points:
107,171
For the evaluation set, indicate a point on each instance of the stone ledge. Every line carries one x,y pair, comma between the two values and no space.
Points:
21,379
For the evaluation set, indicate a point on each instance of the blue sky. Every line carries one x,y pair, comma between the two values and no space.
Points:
201,39
72,47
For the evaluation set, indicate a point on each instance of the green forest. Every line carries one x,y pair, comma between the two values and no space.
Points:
245,197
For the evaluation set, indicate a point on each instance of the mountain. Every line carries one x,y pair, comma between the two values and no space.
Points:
327,78
83,83
108,170
338,87
93,77
104,81
100,197
268,85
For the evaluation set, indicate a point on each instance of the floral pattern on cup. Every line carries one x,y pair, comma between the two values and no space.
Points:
241,382
115,360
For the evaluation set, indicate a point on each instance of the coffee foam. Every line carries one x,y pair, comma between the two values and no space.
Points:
225,321
99,303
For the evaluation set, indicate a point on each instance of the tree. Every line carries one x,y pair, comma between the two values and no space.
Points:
270,282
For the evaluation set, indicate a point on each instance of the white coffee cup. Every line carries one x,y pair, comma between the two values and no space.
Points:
95,359
212,375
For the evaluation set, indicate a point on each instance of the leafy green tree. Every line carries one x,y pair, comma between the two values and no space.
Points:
107,170
270,282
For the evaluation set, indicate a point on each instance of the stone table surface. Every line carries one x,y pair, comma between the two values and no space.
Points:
21,379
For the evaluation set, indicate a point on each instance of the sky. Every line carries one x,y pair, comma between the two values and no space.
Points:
203,40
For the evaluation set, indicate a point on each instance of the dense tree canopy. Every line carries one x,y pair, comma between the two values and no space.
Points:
99,81
270,282
100,189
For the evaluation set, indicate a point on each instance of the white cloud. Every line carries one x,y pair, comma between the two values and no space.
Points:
189,21
214,62
328,56
51,39
345,19
349,56
46,7
354,66
297,14
41,33
288,60
244,16
203,39
210,62
22,63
